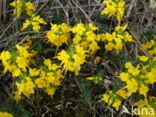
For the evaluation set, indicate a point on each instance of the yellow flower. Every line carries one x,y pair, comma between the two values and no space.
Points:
124,76
79,29
34,72
36,26
120,10
121,28
72,58
141,103
115,8
50,91
116,104
143,89
5,114
33,21
63,56
28,88
151,78
98,58
18,61
47,62
8,67
18,7
16,72
143,58
22,63
50,65
40,82
85,37
105,98
93,47
129,65
59,34
149,47
23,51
134,71
17,95
25,87
110,8
30,8
5,55
132,85
117,39
50,77
123,93
119,45
109,46
112,99
21,6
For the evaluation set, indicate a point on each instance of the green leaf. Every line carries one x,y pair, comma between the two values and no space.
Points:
85,90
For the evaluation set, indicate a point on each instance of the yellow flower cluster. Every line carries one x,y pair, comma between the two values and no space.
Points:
17,61
5,114
59,34
33,22
83,43
20,63
112,99
72,58
142,76
149,47
137,78
134,83
117,39
50,77
47,77
85,37
114,7
25,87
21,6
